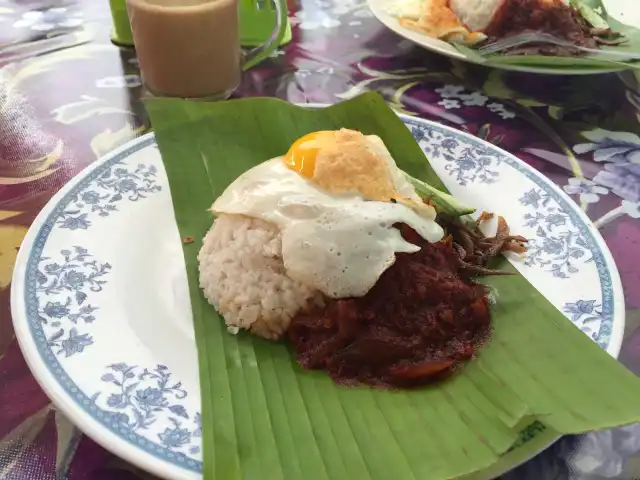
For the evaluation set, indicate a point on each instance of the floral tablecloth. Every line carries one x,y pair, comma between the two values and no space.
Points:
68,96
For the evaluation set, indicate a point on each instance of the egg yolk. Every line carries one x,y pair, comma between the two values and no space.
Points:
302,155
341,161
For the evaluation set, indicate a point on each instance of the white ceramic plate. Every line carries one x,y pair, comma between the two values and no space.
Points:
101,309
621,10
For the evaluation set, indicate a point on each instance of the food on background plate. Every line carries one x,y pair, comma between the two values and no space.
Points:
332,246
434,18
475,22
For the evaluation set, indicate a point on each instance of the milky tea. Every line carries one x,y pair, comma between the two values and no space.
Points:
187,48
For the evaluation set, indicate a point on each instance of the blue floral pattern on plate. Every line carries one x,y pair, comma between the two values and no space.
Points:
585,314
59,297
466,163
138,399
64,288
101,197
558,246
145,405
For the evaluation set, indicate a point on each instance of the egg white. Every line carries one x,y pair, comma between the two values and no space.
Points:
476,15
411,9
338,244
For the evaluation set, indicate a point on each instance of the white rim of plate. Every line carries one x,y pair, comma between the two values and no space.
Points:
48,373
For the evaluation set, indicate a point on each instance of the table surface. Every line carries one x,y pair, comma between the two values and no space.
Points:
68,96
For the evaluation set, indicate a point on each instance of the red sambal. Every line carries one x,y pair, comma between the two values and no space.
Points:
419,323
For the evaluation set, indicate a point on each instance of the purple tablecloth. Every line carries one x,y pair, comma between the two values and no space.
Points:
68,96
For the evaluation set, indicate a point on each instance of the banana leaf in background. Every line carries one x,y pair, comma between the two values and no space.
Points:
264,417
604,62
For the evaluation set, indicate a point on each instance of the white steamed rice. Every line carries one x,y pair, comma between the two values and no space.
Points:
243,276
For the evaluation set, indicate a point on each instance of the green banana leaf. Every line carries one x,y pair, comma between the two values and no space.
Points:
264,417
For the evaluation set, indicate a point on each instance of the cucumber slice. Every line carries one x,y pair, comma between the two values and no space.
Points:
589,14
442,202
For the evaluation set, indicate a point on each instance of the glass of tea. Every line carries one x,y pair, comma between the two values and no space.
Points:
191,48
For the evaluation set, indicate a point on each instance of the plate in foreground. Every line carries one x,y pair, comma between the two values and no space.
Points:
101,308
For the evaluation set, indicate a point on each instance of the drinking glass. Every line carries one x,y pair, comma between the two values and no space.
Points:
191,48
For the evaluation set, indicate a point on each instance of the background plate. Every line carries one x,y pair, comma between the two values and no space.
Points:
101,309
621,10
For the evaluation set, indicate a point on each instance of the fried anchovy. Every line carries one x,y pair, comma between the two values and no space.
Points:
482,270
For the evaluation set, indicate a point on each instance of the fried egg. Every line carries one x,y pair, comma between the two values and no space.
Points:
434,18
335,196
476,14
346,161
